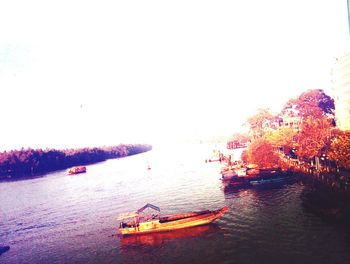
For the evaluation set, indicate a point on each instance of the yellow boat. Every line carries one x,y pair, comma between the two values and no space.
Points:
140,223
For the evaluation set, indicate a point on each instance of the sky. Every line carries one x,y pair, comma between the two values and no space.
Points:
94,73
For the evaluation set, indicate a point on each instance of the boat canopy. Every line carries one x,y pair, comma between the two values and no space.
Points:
148,206
127,215
136,213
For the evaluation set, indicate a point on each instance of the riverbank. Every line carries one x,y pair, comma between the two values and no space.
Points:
332,178
17,164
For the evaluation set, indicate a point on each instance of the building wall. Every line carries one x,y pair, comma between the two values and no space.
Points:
341,91
292,121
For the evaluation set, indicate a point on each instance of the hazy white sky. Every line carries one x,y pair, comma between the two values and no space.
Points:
91,73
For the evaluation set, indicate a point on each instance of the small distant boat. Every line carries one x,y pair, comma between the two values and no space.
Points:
139,223
76,170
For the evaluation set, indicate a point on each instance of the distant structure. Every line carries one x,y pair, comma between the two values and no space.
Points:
348,1
289,119
341,91
341,86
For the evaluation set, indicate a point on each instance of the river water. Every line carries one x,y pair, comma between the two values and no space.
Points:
72,219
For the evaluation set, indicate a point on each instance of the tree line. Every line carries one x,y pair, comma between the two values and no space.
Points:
28,162
304,129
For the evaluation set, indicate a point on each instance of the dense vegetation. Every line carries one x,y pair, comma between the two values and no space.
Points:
313,137
27,162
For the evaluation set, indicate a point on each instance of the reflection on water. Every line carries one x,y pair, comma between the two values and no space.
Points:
325,204
71,219
155,239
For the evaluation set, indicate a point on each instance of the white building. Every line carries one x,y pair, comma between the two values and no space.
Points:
341,91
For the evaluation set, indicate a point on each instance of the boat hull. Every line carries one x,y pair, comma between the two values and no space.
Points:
76,170
262,178
156,239
269,180
174,222
228,175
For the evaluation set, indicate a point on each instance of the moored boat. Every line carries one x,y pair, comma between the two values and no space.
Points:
252,169
139,223
76,170
262,180
228,174
261,176
237,181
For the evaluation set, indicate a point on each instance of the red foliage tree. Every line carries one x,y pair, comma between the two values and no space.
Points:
313,136
262,153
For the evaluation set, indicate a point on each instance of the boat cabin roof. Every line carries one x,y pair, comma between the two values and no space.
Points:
136,213
148,206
